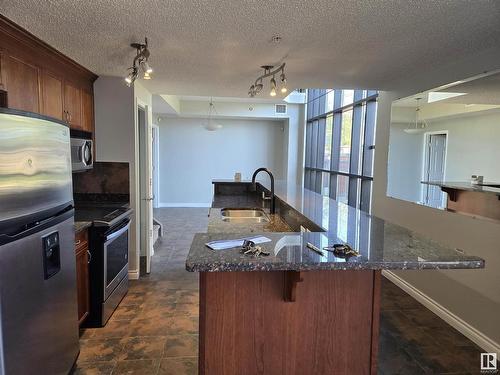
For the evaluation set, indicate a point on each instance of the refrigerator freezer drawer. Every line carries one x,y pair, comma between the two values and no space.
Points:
38,316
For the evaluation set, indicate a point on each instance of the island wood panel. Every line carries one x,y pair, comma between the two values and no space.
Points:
474,203
246,326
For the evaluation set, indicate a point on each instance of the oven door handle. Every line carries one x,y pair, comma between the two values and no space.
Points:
119,232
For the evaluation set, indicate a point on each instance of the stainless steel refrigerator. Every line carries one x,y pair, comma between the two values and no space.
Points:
38,305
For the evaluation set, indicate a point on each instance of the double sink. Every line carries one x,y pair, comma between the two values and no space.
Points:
244,215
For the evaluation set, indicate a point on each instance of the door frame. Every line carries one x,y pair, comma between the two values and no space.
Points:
156,166
146,229
424,162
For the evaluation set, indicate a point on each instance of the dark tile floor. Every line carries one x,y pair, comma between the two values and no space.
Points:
155,328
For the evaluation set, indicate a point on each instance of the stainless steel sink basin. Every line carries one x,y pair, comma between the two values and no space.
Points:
244,215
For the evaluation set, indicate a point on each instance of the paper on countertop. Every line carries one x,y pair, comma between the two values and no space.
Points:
229,244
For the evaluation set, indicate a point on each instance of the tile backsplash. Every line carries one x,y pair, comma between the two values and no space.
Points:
106,178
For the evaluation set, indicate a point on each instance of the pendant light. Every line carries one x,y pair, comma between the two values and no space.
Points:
418,126
211,124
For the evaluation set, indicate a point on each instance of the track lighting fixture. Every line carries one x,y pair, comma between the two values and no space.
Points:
268,72
140,61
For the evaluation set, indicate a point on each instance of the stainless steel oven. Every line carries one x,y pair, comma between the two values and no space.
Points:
108,266
115,257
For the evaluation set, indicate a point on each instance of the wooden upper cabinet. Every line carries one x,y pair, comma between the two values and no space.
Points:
52,96
20,80
87,111
37,78
72,106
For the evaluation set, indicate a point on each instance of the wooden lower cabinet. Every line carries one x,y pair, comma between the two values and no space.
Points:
82,275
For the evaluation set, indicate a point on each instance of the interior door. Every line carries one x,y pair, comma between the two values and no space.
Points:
146,185
435,165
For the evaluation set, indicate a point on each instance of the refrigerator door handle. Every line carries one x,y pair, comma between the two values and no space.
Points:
38,225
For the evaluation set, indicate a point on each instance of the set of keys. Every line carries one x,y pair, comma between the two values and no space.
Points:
249,248
342,250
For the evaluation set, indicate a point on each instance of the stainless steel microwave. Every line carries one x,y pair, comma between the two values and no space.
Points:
81,154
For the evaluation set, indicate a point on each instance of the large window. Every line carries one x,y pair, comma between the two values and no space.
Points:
340,143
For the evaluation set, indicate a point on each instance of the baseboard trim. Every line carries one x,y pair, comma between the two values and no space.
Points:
479,338
184,204
133,274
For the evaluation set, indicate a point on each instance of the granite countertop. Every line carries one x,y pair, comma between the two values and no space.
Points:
381,245
464,185
81,225
401,250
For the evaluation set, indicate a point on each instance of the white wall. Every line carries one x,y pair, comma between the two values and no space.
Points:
190,156
472,149
472,295
405,164
473,146
116,138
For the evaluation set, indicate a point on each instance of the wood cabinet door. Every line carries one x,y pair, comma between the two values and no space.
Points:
20,80
52,96
73,106
87,111
82,282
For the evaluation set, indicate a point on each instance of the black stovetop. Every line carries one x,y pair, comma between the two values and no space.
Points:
101,214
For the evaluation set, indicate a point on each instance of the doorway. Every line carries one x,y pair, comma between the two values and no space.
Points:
145,189
435,145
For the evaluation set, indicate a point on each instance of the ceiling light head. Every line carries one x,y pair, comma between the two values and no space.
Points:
284,89
132,76
258,87
146,67
251,91
146,76
273,87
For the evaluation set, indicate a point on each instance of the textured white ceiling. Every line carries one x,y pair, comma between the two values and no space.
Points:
215,47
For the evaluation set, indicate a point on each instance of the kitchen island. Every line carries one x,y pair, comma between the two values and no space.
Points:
296,311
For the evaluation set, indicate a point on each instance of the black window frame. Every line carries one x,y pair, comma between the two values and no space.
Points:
362,145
